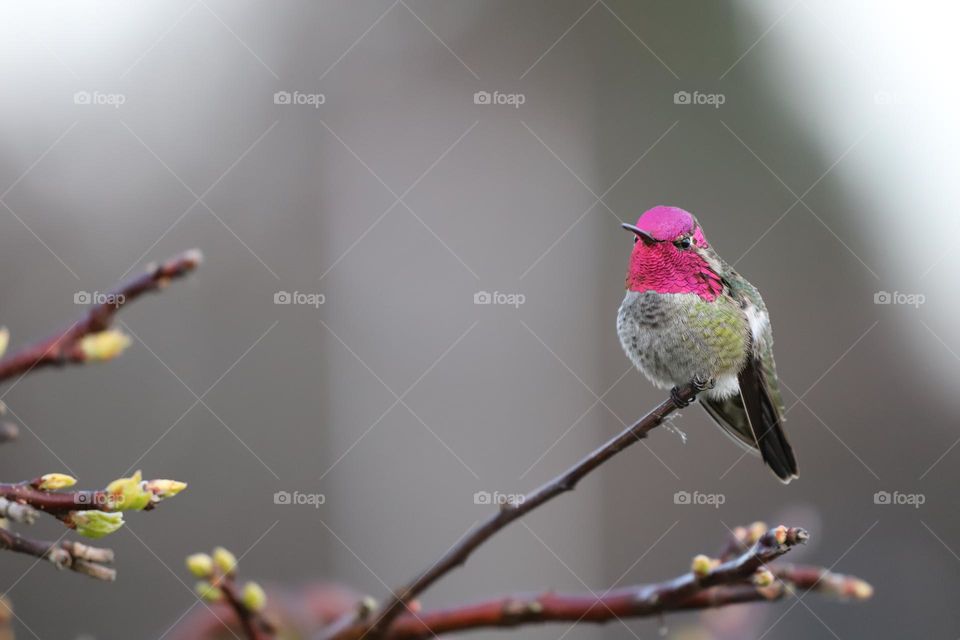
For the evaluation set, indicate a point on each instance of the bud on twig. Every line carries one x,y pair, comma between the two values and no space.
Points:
208,592
104,345
162,489
254,598
200,565
763,578
225,561
701,566
95,524
54,481
128,494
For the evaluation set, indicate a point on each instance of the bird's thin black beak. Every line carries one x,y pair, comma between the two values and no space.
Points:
643,235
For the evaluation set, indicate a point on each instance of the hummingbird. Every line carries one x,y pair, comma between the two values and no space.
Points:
687,315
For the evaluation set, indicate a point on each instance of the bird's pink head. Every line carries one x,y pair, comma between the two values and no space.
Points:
669,255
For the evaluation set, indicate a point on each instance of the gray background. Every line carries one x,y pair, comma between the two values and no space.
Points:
844,98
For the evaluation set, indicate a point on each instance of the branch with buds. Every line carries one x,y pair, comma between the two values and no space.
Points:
95,513
710,583
65,554
218,583
90,338
753,574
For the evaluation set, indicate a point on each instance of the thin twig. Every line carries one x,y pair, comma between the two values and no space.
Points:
731,582
64,347
254,626
63,555
348,628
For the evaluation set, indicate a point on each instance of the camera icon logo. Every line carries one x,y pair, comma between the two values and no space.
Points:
482,497
282,97
882,297
882,497
482,97
82,97
82,297
681,97
482,297
282,497
282,297
681,497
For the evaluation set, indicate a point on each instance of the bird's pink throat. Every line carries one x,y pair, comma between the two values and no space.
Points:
664,268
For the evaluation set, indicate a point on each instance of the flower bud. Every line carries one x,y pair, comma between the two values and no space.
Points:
862,590
701,565
226,562
96,524
128,494
780,533
164,488
208,592
54,481
105,345
200,565
763,578
254,598
756,531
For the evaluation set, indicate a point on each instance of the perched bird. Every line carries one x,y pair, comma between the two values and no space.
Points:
688,315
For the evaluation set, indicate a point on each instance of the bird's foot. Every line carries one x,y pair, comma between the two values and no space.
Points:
701,383
678,399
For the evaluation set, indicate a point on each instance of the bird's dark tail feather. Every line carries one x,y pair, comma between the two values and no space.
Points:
766,422
753,420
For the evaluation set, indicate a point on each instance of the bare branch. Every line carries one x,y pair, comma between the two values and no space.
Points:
63,555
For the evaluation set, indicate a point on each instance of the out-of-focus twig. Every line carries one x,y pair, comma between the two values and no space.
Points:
68,346
65,554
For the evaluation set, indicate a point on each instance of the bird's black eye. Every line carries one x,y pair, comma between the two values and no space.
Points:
685,243
636,239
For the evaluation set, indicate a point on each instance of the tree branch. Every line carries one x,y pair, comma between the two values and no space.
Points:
350,629
65,346
732,582
251,622
65,554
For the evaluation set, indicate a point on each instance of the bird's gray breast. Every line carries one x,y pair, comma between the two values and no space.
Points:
655,334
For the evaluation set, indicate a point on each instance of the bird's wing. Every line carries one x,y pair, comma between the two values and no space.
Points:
754,417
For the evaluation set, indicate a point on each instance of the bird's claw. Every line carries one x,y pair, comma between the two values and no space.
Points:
701,383
678,399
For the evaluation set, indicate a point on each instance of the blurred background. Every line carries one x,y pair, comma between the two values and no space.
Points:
378,166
